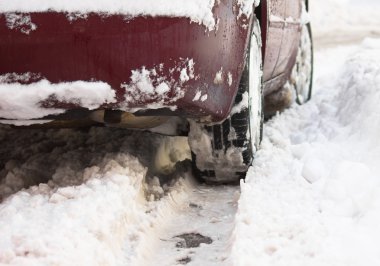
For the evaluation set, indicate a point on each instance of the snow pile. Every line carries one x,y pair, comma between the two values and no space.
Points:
24,101
312,196
86,201
67,218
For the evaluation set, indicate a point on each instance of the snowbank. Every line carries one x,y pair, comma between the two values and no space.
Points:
312,196
48,221
86,199
75,218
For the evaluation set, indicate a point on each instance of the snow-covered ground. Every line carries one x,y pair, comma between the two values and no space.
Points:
312,196
90,199
344,15
344,21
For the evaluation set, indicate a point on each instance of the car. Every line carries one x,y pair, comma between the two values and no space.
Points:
212,70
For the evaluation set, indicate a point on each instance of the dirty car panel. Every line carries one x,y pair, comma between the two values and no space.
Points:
190,71
112,48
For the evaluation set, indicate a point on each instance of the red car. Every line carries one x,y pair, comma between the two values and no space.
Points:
205,67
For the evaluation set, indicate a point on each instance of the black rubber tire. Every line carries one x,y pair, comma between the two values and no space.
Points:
239,123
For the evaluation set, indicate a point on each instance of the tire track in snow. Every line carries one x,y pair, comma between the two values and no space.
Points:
195,227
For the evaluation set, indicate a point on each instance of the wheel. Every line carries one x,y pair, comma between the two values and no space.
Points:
302,72
222,153
299,86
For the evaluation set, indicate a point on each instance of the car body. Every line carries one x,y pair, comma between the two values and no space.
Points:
201,68
115,49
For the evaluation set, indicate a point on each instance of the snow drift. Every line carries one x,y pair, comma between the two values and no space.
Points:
312,196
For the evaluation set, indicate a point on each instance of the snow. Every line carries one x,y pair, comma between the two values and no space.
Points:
99,206
23,101
214,219
204,97
312,195
23,122
344,15
218,79
198,11
184,77
169,152
243,104
155,86
197,96
96,205
229,79
17,77
220,160
22,22
64,211
246,6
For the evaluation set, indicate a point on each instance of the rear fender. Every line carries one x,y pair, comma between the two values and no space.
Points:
192,71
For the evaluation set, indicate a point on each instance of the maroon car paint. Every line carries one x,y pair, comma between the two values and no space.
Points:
282,39
108,48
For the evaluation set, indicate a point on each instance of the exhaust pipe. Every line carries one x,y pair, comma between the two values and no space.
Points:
116,118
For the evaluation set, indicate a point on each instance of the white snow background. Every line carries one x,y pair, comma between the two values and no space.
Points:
312,196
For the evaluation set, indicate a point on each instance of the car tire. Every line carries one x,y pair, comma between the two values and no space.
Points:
302,73
299,86
222,153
